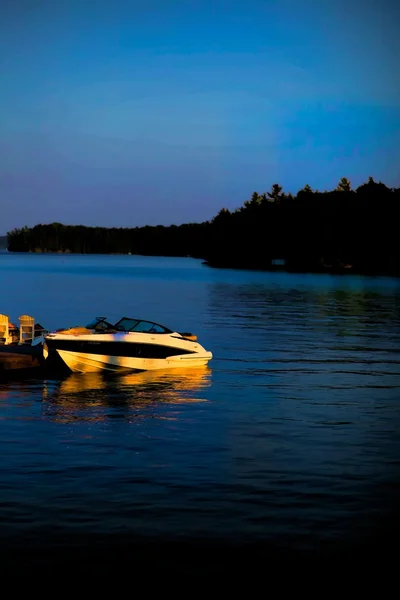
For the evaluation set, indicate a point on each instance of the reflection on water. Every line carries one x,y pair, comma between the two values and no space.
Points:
90,396
261,301
297,444
313,324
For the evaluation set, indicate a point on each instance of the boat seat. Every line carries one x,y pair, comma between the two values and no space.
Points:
26,329
5,336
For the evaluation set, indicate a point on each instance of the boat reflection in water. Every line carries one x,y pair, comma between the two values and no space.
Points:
97,397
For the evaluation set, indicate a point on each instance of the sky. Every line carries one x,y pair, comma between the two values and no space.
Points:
145,112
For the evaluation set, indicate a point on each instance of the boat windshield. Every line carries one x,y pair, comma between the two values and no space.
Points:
126,324
99,324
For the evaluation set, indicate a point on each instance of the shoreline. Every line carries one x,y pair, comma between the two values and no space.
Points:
241,266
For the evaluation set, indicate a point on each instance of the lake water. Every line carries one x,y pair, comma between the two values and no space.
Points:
287,445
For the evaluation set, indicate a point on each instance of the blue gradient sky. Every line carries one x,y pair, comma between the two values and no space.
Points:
163,111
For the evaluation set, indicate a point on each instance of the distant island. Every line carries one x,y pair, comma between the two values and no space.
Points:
3,242
337,231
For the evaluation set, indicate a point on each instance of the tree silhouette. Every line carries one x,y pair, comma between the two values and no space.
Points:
344,185
276,193
254,200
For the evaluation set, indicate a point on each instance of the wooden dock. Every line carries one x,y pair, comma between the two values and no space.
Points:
19,356
20,360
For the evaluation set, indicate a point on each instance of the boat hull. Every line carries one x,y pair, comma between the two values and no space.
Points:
79,362
83,353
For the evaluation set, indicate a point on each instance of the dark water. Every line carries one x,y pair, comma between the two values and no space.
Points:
286,446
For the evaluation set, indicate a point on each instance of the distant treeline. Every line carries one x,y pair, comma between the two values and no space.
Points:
3,242
174,240
342,230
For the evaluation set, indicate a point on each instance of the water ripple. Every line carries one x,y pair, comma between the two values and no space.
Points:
289,439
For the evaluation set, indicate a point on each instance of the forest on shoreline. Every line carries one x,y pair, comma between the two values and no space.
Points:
343,230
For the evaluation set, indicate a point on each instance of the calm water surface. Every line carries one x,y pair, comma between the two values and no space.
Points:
288,441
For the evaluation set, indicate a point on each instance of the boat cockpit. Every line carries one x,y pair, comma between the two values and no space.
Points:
126,324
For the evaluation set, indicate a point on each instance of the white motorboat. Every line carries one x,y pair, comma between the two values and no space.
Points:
129,345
